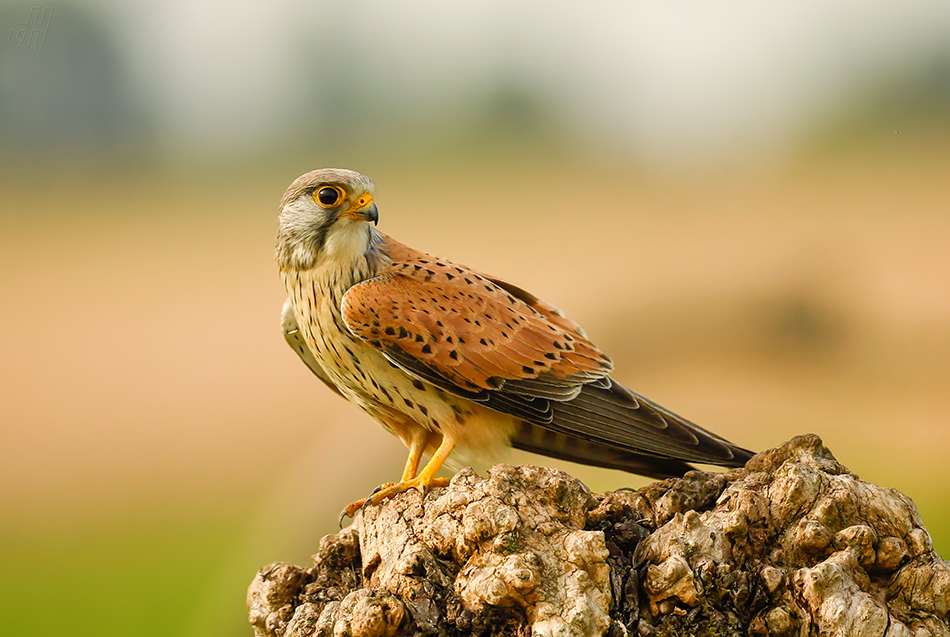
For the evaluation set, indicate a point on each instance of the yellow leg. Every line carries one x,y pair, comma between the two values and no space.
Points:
427,477
424,481
415,455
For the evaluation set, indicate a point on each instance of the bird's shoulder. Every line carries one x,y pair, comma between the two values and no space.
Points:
415,263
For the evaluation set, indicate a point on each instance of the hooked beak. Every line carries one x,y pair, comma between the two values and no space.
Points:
365,209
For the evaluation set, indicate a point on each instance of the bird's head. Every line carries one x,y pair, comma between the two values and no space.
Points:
325,214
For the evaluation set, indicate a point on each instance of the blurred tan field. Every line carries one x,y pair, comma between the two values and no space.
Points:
745,205
158,431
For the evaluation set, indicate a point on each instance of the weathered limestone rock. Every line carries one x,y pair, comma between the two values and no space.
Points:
791,545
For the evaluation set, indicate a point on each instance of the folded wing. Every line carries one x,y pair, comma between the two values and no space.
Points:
494,343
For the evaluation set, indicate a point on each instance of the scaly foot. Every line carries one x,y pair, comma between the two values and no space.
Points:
424,481
351,509
388,490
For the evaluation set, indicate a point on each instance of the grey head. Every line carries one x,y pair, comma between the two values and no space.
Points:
325,215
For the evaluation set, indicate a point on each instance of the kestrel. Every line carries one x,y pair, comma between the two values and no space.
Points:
454,361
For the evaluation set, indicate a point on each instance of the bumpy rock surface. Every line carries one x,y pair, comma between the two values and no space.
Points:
791,545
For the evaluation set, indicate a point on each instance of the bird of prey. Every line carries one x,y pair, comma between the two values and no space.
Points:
455,361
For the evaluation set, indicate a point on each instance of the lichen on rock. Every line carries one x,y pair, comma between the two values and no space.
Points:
792,544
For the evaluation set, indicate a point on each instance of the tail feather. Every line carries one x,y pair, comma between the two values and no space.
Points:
557,445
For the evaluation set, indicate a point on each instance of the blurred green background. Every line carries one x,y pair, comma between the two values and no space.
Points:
745,204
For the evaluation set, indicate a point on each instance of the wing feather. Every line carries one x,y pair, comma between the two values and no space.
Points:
464,326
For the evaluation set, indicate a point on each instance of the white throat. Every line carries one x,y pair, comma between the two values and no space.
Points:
346,242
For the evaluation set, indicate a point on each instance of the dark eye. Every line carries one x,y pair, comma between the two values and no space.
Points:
329,196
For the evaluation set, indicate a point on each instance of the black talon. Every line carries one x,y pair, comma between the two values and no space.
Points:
368,500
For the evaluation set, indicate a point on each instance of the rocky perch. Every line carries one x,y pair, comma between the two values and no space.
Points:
792,544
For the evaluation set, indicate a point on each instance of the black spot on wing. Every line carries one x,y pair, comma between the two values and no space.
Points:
419,369
531,408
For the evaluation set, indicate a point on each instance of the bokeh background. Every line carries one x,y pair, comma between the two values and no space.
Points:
745,203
